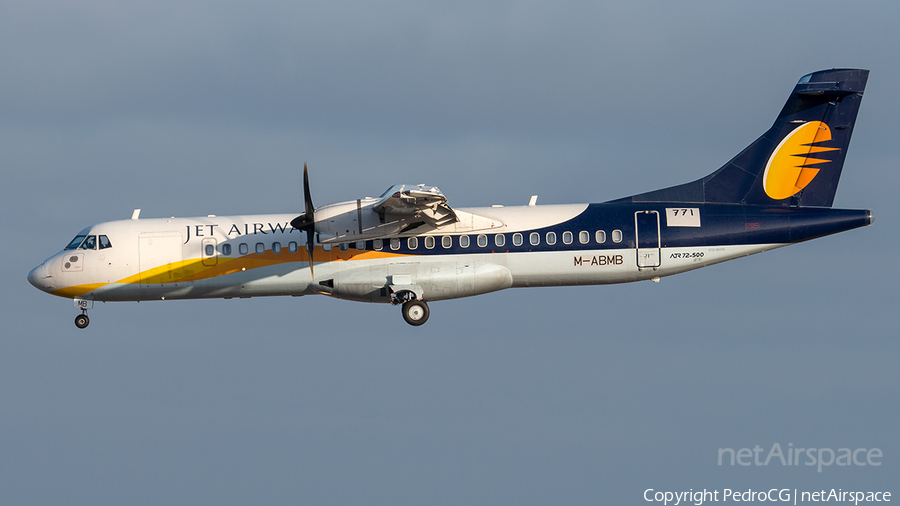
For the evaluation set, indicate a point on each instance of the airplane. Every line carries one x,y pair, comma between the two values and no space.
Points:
408,247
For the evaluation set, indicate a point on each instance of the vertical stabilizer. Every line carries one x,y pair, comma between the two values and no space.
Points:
798,161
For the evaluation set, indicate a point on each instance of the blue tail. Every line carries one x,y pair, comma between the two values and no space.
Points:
798,161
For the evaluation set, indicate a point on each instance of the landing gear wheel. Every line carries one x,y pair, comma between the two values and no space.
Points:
82,321
415,312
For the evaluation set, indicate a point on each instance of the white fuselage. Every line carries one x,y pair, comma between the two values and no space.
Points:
262,255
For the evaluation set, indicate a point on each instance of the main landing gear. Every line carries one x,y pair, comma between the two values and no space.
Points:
415,311
82,320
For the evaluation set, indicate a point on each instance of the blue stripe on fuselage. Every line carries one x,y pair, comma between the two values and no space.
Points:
721,225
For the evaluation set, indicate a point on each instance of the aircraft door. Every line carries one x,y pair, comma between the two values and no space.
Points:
208,252
646,240
161,259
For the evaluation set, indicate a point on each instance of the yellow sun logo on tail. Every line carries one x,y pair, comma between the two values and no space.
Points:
790,167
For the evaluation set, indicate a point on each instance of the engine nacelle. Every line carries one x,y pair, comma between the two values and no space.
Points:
437,281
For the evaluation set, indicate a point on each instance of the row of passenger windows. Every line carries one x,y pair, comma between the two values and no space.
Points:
446,242
244,248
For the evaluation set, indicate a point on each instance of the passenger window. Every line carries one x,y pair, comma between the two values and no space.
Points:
395,244
226,249
210,250
260,248
584,237
600,236
499,240
344,246
276,247
617,235
243,248
326,247
104,242
412,243
551,238
567,237
517,239
446,241
90,242
482,241
463,241
361,245
534,238
76,242
429,242
378,244
292,247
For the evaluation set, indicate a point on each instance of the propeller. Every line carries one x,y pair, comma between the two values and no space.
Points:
307,220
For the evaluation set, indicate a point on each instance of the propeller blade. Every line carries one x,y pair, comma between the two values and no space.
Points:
307,220
307,198
310,248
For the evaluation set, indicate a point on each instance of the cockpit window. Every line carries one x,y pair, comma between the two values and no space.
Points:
76,242
104,242
90,242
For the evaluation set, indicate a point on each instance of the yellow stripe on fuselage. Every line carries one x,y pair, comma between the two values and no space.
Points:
71,292
194,270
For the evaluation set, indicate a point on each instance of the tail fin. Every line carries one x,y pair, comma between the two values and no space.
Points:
798,161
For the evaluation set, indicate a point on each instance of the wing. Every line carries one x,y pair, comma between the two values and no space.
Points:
405,202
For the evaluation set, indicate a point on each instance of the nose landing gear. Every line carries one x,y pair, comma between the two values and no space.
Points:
82,320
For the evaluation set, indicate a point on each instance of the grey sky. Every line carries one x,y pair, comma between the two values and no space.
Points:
580,395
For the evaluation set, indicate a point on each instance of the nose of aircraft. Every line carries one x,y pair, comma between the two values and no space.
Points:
40,278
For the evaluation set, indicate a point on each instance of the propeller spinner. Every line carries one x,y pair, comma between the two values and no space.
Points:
307,220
